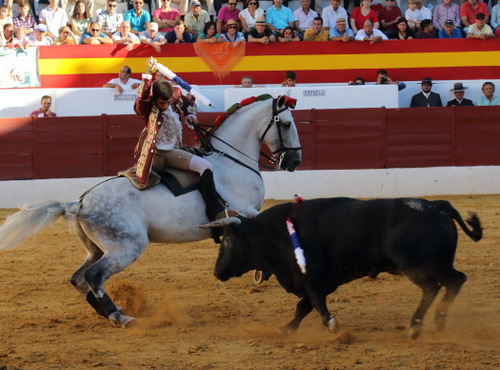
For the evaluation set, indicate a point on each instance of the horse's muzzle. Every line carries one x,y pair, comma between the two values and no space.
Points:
289,160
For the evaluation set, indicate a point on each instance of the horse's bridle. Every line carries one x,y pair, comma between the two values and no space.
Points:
283,150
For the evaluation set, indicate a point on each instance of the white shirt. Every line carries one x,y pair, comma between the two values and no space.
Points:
46,40
54,20
170,133
245,14
330,16
125,86
118,36
305,21
376,32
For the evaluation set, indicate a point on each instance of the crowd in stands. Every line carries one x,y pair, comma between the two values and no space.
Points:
227,23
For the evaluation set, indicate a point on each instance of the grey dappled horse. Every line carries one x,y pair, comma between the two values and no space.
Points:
116,222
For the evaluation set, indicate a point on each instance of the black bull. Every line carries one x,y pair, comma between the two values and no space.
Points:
345,239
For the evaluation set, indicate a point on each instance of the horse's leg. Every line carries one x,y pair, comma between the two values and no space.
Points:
453,282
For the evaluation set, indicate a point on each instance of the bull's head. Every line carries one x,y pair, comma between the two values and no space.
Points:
234,254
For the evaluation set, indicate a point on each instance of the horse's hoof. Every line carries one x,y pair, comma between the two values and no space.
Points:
415,331
119,319
333,325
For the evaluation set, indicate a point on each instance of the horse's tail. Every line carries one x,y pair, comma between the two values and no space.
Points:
31,219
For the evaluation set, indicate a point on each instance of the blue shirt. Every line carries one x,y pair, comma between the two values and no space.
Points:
456,34
334,32
186,36
279,18
137,23
483,100
86,35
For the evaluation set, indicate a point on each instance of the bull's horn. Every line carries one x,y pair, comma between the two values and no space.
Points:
221,223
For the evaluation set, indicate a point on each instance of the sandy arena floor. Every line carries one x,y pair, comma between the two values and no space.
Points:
187,319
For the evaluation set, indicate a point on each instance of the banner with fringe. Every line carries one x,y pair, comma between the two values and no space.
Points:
222,57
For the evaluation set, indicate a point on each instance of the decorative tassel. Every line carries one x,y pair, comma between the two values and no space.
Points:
299,252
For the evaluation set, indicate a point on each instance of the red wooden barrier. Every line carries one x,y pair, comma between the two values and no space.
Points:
64,147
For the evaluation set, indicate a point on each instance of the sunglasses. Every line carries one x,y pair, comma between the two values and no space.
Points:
112,6
95,30
231,27
252,3
231,3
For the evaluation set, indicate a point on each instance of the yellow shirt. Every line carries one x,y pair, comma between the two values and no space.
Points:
323,36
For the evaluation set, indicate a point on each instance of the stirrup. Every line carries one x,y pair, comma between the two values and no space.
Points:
226,214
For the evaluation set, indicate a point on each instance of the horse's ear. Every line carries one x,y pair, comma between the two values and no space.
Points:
221,223
281,101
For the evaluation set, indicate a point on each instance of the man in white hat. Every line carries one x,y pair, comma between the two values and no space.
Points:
261,33
152,37
459,101
426,98
196,19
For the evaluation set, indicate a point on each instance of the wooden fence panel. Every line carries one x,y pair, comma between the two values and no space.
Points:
16,148
122,135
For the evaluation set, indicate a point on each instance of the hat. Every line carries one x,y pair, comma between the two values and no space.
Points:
231,22
458,86
340,20
41,28
153,26
195,3
449,22
426,80
260,20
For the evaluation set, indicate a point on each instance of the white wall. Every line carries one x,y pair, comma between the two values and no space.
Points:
310,184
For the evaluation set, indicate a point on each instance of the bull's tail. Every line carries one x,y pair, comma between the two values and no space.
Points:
31,219
476,233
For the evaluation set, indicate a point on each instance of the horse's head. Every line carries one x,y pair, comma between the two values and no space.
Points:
280,135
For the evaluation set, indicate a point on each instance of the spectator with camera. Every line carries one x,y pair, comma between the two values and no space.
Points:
383,79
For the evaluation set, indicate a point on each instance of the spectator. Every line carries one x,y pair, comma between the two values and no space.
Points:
362,13
480,30
41,37
66,37
289,79
80,19
316,33
179,35
412,15
95,36
331,13
25,19
426,30
6,15
495,19
183,6
383,79
388,17
89,4
208,35
403,31
21,41
166,16
124,37
249,16
261,33
425,13
231,34
449,31
109,19
445,11
459,101
152,37
123,82
196,19
8,34
340,32
288,35
139,18
246,81
54,18
368,33
426,98
468,12
488,98
278,17
357,81
304,17
44,111
226,14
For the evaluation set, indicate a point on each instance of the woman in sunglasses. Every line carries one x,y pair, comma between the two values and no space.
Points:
288,35
231,34
249,15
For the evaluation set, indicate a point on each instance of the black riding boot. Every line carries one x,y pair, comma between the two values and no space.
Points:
207,190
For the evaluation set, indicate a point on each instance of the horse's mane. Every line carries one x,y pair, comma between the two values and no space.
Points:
233,108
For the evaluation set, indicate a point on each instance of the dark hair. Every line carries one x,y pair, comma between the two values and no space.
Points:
162,89
382,72
257,1
318,19
480,16
129,71
75,10
208,25
401,20
425,23
360,78
46,97
288,28
290,74
488,83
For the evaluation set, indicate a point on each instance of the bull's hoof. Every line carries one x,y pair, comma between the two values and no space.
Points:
119,319
415,331
333,325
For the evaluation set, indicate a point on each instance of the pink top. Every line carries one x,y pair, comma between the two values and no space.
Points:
23,42
166,16
225,15
360,19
